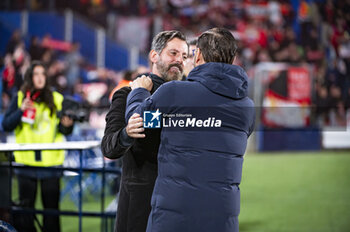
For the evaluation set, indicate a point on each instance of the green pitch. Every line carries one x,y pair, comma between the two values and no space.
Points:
280,192
296,192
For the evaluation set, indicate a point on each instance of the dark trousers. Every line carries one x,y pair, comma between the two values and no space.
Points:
133,208
50,193
135,196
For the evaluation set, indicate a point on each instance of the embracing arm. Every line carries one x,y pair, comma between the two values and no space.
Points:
140,99
135,102
115,142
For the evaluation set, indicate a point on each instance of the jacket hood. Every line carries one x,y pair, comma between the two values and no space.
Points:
224,79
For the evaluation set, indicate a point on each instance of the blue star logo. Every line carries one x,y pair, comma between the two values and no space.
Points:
151,119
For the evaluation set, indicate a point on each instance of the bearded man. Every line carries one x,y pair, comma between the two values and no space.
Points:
139,154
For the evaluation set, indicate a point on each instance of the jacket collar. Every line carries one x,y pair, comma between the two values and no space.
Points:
224,79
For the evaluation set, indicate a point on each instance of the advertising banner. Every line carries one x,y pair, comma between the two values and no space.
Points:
287,99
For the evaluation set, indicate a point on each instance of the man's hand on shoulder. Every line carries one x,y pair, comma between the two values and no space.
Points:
142,82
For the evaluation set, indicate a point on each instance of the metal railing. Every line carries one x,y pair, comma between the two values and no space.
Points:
8,148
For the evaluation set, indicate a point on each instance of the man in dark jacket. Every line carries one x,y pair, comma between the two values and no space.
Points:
206,124
169,50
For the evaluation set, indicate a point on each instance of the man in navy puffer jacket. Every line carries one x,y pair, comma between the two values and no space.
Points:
206,123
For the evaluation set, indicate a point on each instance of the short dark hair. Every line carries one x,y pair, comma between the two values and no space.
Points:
217,45
162,38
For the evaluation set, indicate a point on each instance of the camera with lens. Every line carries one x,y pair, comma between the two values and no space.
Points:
73,109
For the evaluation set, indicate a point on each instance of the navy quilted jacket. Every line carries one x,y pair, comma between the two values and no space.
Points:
206,123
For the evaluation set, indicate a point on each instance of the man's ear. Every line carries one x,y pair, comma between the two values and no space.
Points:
199,57
153,56
234,59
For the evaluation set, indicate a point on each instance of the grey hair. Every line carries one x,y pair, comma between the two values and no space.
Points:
162,38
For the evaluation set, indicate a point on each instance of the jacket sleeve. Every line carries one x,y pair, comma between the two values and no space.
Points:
140,100
12,116
115,142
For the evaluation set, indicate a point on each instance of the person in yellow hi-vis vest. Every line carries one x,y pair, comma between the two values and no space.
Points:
32,115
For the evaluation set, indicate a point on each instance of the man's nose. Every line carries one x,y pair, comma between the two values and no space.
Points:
179,59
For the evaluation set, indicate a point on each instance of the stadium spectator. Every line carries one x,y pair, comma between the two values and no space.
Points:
8,76
169,51
279,25
57,78
15,64
73,61
122,83
13,42
35,49
322,104
197,188
32,115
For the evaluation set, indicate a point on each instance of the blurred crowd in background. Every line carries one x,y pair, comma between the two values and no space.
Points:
317,33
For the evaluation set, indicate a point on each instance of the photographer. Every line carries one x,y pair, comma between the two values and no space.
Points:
33,115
